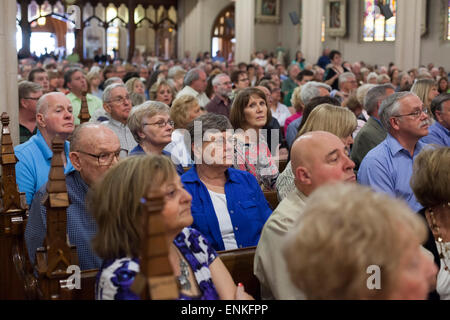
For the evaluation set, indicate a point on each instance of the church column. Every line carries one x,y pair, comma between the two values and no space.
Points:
131,30
311,29
407,40
9,100
25,26
189,27
244,30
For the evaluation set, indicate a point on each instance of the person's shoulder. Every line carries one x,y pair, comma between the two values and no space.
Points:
27,149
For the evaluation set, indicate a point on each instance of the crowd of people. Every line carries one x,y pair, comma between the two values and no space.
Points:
366,185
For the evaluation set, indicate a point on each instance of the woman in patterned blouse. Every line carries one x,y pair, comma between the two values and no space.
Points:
115,204
250,114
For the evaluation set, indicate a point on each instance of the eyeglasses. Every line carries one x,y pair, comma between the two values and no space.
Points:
30,98
105,159
160,123
121,99
416,114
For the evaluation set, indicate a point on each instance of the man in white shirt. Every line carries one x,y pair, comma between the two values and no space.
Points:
195,85
117,102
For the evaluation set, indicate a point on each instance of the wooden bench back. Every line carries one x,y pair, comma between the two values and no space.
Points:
239,263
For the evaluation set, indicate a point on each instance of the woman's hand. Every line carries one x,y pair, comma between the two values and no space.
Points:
241,294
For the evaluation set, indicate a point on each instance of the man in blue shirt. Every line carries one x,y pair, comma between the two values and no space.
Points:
94,149
388,167
53,117
440,130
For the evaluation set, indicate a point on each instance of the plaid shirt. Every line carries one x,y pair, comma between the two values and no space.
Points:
81,225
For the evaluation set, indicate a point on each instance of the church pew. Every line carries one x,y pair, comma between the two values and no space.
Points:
16,279
282,165
272,198
239,263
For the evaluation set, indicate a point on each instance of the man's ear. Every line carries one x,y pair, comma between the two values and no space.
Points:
394,123
107,107
303,175
141,134
437,114
75,160
40,120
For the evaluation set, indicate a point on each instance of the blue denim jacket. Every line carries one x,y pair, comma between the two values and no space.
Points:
246,204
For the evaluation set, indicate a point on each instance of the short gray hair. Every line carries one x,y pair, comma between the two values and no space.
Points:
372,75
374,96
42,104
346,76
138,113
216,79
175,71
209,121
389,107
27,87
191,76
112,80
362,91
436,103
311,90
108,91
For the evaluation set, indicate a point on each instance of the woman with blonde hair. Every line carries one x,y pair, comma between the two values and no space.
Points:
426,90
353,243
116,203
324,117
297,105
430,184
184,109
162,91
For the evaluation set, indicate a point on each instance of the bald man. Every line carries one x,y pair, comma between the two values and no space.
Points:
94,149
53,117
318,158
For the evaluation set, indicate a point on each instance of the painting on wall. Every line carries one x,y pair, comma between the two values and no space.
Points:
336,17
268,11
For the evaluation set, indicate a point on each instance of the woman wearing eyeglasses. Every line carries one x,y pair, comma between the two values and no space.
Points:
152,129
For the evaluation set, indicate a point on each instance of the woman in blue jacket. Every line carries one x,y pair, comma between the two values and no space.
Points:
228,206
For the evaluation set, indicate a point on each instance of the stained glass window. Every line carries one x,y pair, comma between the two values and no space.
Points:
448,20
378,26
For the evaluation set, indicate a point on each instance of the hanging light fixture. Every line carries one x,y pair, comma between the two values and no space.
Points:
41,21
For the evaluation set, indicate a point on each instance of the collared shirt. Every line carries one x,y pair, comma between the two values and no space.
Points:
281,113
178,149
269,265
126,138
93,102
81,225
437,134
217,105
388,168
138,150
26,134
292,130
202,99
288,87
33,166
246,204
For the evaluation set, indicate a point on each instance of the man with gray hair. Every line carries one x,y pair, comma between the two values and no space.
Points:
347,86
29,94
53,117
388,166
440,129
221,102
176,77
93,150
373,132
195,85
290,84
117,103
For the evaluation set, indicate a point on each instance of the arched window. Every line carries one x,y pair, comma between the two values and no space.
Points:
223,33
379,20
448,20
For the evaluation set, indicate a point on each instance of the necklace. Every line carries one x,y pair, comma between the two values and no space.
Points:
183,278
442,245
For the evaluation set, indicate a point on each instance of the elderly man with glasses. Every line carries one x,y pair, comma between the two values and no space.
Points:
93,150
388,167
117,103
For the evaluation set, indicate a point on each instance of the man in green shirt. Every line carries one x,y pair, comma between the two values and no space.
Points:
75,81
289,84
29,94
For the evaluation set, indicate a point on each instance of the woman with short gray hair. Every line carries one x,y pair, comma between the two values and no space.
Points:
228,206
152,129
